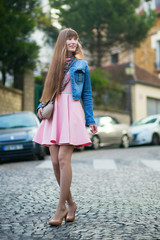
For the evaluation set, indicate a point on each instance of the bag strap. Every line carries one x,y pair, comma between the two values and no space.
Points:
54,94
71,65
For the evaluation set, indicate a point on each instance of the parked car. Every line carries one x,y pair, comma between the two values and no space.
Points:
146,131
110,132
16,134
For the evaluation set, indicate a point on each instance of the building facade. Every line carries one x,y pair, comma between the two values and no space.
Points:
141,69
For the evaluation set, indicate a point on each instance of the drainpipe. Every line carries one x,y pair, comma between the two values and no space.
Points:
130,70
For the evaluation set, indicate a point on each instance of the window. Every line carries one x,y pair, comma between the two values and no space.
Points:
114,121
103,121
114,58
108,120
158,55
97,120
153,106
145,121
157,3
17,120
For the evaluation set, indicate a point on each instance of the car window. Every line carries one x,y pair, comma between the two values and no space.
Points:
106,120
97,120
151,121
145,121
103,121
114,121
17,120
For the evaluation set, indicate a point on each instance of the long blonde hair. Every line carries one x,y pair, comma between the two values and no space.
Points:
55,73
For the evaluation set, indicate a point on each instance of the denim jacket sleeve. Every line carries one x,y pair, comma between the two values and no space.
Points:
39,106
87,98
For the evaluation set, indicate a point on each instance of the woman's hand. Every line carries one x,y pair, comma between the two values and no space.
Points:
39,113
93,128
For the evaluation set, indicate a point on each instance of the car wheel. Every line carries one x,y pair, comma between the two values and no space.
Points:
155,139
95,142
47,150
41,157
125,141
42,154
80,149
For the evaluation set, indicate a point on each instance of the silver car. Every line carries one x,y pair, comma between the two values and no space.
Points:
110,132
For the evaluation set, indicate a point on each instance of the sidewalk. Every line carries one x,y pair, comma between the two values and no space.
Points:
122,203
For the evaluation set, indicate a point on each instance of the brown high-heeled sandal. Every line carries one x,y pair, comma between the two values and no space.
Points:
58,222
72,218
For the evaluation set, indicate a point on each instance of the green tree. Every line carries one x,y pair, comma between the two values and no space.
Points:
102,24
18,52
100,82
107,94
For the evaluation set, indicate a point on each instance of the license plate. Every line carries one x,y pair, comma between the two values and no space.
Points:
12,147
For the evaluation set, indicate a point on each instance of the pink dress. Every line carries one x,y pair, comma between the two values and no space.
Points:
67,124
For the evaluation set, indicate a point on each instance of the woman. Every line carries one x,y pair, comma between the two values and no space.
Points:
68,75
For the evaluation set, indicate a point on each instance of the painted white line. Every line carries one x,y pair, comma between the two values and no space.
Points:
105,164
98,164
45,164
154,164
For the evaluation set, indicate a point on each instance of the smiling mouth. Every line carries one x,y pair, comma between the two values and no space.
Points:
73,46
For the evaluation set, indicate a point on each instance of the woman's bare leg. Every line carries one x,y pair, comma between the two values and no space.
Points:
54,150
64,157
61,160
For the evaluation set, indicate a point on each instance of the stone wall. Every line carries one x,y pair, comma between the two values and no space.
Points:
28,92
13,100
10,100
145,55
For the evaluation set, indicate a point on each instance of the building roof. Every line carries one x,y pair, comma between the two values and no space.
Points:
118,73
158,10
141,12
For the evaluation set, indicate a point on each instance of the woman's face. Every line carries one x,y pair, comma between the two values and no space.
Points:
71,44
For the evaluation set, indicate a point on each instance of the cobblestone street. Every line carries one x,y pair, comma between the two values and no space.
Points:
117,192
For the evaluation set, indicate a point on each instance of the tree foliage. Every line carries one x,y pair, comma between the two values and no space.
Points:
106,92
105,23
18,52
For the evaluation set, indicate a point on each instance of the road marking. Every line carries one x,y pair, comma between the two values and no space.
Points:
105,164
154,164
16,165
45,164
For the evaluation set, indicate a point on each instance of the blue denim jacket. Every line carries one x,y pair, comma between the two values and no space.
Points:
81,88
